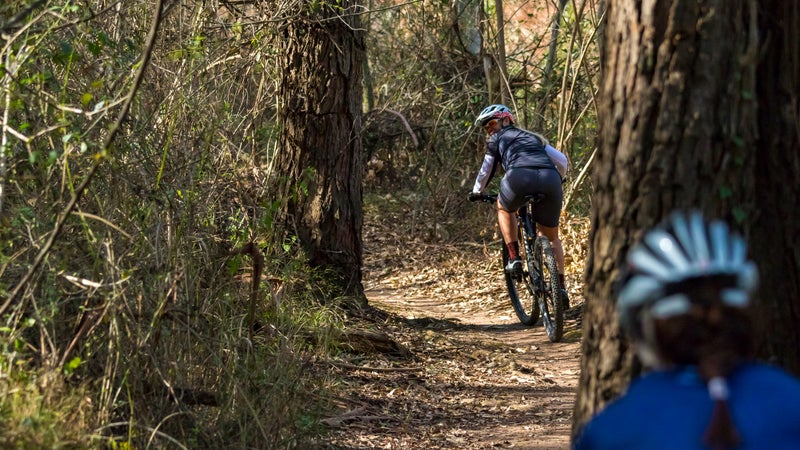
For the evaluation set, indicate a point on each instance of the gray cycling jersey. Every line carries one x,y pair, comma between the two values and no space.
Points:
513,148
519,148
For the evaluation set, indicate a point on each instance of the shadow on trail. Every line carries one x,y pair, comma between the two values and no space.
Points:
571,326
433,314
488,383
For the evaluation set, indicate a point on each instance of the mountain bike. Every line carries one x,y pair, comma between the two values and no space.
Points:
535,290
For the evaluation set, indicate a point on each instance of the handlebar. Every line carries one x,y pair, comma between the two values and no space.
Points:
486,198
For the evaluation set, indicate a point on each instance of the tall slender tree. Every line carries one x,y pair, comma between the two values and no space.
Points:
319,167
699,109
549,90
493,53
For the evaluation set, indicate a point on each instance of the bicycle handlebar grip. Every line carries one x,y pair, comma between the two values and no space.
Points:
489,198
480,197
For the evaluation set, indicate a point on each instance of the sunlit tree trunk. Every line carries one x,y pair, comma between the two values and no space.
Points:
319,166
693,115
466,20
369,82
494,56
548,87
501,50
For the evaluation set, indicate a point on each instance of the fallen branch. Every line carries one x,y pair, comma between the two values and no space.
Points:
344,365
357,414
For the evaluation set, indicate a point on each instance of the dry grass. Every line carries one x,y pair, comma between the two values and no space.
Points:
43,409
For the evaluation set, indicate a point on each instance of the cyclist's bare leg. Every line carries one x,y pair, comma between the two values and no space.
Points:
508,224
555,242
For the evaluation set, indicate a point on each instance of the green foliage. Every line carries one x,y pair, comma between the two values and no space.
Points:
143,297
37,408
134,332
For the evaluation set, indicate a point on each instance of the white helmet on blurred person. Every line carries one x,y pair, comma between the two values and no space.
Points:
670,263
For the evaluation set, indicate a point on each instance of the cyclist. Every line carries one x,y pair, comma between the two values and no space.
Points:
685,304
532,166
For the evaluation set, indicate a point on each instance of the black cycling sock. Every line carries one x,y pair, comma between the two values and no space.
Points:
513,250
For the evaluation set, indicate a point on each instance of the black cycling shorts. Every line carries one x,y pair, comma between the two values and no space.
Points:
521,182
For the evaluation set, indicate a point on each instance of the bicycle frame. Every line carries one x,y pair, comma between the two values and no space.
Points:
534,282
531,233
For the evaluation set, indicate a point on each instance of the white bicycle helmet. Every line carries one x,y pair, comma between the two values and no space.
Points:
675,258
493,112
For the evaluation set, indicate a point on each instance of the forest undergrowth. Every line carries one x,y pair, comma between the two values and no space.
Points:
147,299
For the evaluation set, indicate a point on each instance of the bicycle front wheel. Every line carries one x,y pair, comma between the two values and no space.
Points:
550,297
520,288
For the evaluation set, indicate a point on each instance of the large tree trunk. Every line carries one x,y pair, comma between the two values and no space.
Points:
319,165
678,130
776,229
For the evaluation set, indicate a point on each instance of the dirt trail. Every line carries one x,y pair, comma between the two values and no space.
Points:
440,361
473,378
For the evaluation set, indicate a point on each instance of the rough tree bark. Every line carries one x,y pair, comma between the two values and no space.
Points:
319,166
777,226
693,114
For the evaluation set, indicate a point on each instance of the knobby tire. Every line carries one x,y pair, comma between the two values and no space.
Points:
520,287
549,297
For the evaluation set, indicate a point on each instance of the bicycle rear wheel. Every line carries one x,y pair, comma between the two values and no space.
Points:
550,297
520,287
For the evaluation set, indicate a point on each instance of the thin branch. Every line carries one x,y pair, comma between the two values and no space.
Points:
101,219
579,179
112,133
19,17
406,124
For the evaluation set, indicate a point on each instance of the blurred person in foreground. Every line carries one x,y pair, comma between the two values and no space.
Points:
684,302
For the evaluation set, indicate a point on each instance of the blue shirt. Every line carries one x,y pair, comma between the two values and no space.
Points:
671,409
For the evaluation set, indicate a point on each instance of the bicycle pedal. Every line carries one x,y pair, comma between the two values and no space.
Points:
514,267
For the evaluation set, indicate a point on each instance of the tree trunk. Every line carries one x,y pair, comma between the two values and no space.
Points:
548,86
491,68
678,130
319,165
501,50
466,26
777,222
